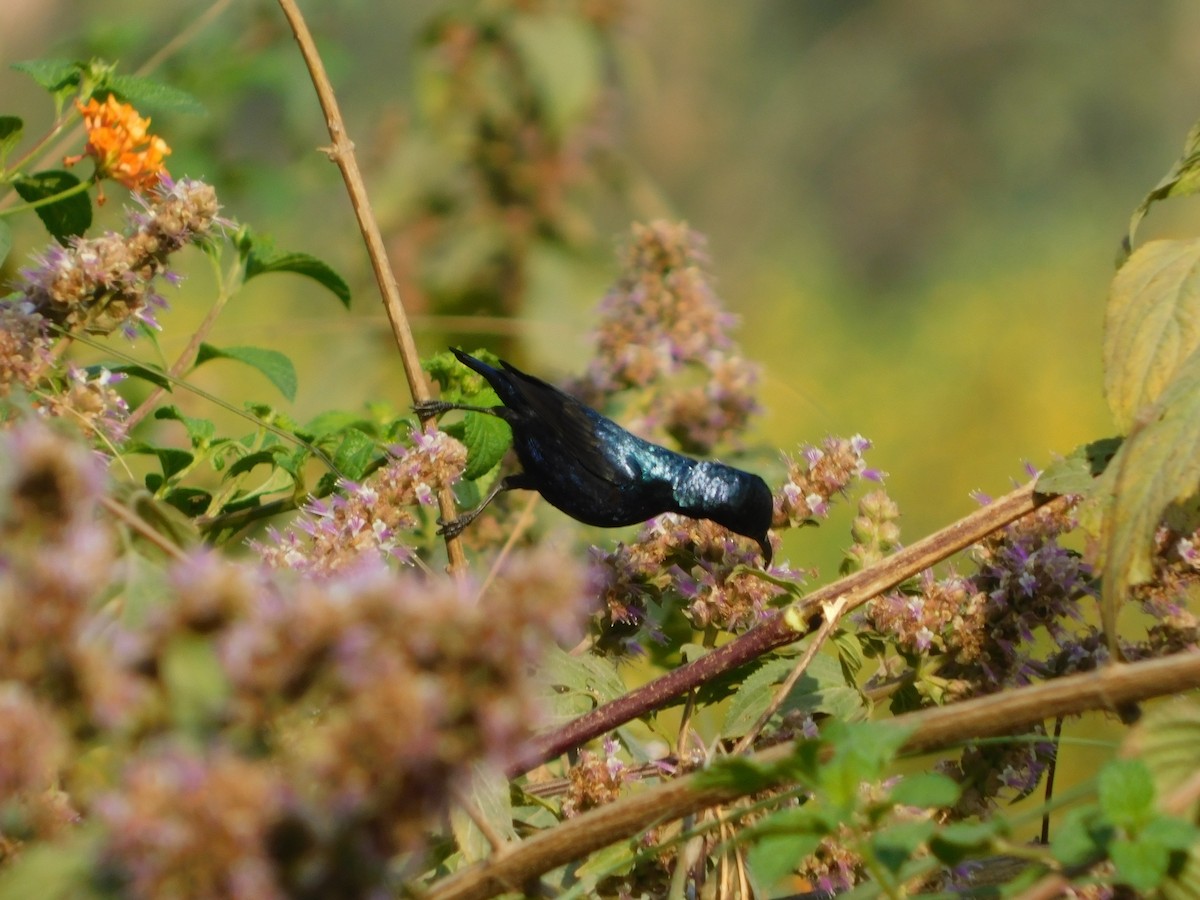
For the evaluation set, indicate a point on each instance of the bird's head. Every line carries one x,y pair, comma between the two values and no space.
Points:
741,501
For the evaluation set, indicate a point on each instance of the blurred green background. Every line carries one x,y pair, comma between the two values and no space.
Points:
914,208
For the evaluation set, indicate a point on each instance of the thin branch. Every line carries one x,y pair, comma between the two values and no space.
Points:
341,151
142,527
785,626
932,729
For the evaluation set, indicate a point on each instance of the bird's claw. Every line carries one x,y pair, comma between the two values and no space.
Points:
426,409
453,528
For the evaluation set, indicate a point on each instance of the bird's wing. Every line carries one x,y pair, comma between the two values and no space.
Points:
561,417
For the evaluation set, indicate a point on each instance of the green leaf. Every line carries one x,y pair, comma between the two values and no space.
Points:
52,74
895,845
1183,179
199,431
1171,832
741,774
488,794
774,857
1140,864
164,518
1126,791
1151,327
1077,473
195,680
5,241
614,860
334,421
1074,841
171,460
953,843
355,453
822,688
1167,740
275,365
261,257
927,790
581,683
1157,466
148,95
10,135
488,439
459,383
69,217
561,54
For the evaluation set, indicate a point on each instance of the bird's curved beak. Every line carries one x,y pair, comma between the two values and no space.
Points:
764,544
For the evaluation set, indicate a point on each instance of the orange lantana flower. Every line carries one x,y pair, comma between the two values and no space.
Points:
120,142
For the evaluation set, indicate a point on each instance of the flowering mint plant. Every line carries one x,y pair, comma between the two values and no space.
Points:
241,661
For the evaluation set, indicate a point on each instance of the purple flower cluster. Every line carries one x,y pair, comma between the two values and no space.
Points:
364,523
703,565
817,474
664,333
107,282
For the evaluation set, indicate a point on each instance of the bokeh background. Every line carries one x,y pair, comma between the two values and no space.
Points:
915,208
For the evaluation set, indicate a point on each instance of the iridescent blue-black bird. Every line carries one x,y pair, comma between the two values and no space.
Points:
595,471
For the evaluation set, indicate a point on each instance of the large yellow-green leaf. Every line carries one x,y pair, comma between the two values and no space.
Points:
1156,467
1152,325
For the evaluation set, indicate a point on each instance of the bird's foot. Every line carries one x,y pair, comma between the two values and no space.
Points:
454,527
426,409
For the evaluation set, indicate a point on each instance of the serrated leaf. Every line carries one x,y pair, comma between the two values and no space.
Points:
275,365
1151,327
355,452
1157,466
488,439
1077,473
65,218
1126,792
199,431
488,794
148,95
561,54
1183,179
581,683
10,134
261,257
52,74
333,421
822,688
